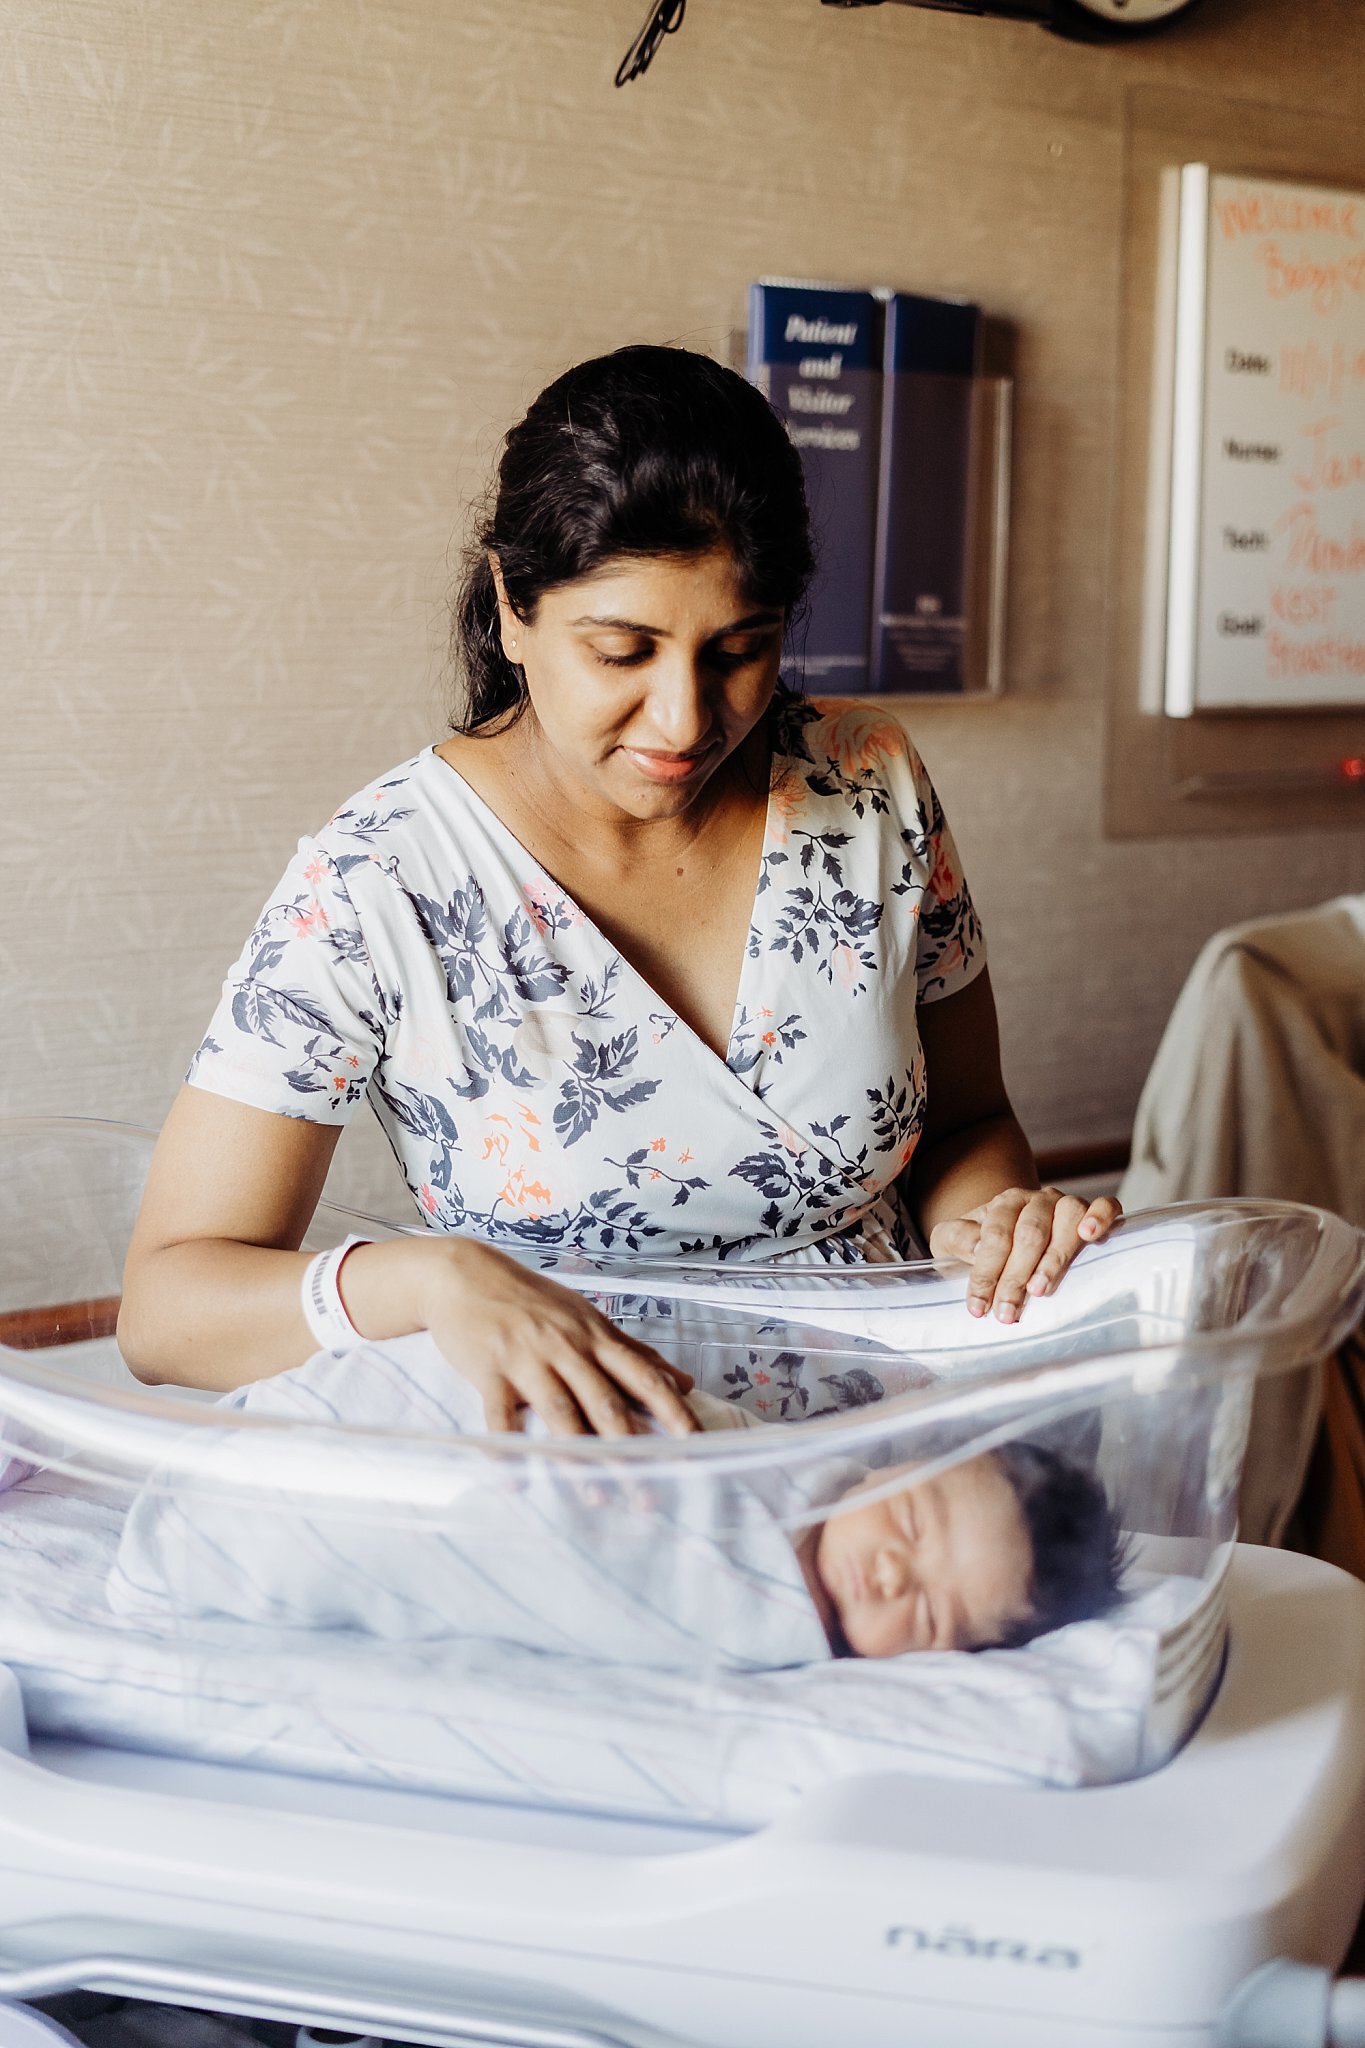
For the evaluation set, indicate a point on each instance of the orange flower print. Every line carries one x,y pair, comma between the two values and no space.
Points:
532,1197
506,1143
306,922
427,1199
862,740
550,913
786,802
769,1038
684,1159
658,1144
316,871
497,1143
944,883
845,964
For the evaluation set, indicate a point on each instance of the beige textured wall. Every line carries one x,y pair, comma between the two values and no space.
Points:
276,274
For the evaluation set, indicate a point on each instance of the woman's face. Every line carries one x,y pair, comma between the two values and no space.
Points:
646,676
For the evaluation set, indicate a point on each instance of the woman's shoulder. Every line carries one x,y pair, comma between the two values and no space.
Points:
854,754
385,815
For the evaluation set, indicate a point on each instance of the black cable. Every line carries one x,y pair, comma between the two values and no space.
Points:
663,19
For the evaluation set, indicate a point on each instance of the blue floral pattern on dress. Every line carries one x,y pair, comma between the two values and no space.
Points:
537,1091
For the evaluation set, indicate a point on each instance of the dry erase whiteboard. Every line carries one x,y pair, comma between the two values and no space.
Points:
1266,572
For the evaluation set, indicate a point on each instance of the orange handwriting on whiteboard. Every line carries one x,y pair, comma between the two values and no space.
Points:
1326,286
1304,604
1330,654
1289,213
1330,469
1315,553
1313,371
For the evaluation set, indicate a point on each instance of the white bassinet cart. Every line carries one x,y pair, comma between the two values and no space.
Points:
1091,1841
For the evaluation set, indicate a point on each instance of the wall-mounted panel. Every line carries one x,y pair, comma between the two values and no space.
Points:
1215,356
1266,583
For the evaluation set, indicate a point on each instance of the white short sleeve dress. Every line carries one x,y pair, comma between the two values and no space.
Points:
536,1090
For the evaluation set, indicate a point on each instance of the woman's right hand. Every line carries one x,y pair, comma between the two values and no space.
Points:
211,1287
526,1342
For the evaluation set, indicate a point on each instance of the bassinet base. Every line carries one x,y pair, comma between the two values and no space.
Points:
886,1909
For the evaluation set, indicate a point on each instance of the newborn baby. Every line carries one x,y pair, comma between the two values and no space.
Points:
982,1555
751,1564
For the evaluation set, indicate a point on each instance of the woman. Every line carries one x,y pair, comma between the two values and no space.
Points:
649,956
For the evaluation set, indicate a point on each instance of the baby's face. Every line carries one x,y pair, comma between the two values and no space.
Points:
944,1564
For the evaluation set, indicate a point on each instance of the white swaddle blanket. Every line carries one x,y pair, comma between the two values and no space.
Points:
13,1471
529,1551
1091,1704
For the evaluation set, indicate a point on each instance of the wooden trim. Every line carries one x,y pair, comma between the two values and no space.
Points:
1081,1162
64,1322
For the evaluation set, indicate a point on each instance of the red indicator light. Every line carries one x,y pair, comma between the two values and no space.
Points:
1353,767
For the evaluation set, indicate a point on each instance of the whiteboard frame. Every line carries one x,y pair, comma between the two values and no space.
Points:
1188,672
1187,441
1249,772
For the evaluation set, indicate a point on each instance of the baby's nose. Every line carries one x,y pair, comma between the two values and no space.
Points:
891,1574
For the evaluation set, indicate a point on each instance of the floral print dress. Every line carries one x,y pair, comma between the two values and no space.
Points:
537,1091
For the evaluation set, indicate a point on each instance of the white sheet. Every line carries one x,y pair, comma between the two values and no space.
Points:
1077,1708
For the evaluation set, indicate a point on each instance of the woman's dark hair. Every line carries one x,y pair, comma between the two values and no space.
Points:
1078,1552
647,451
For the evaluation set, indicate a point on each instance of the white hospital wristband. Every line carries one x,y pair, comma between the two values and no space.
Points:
323,1309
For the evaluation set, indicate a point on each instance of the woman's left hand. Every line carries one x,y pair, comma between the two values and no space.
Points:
1020,1243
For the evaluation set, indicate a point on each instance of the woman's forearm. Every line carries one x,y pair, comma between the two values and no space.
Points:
967,1168
972,1187
213,1313
212,1291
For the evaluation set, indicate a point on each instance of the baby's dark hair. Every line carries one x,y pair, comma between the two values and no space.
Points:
1079,1553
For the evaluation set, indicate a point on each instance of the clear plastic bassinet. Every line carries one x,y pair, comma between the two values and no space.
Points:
343,1647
